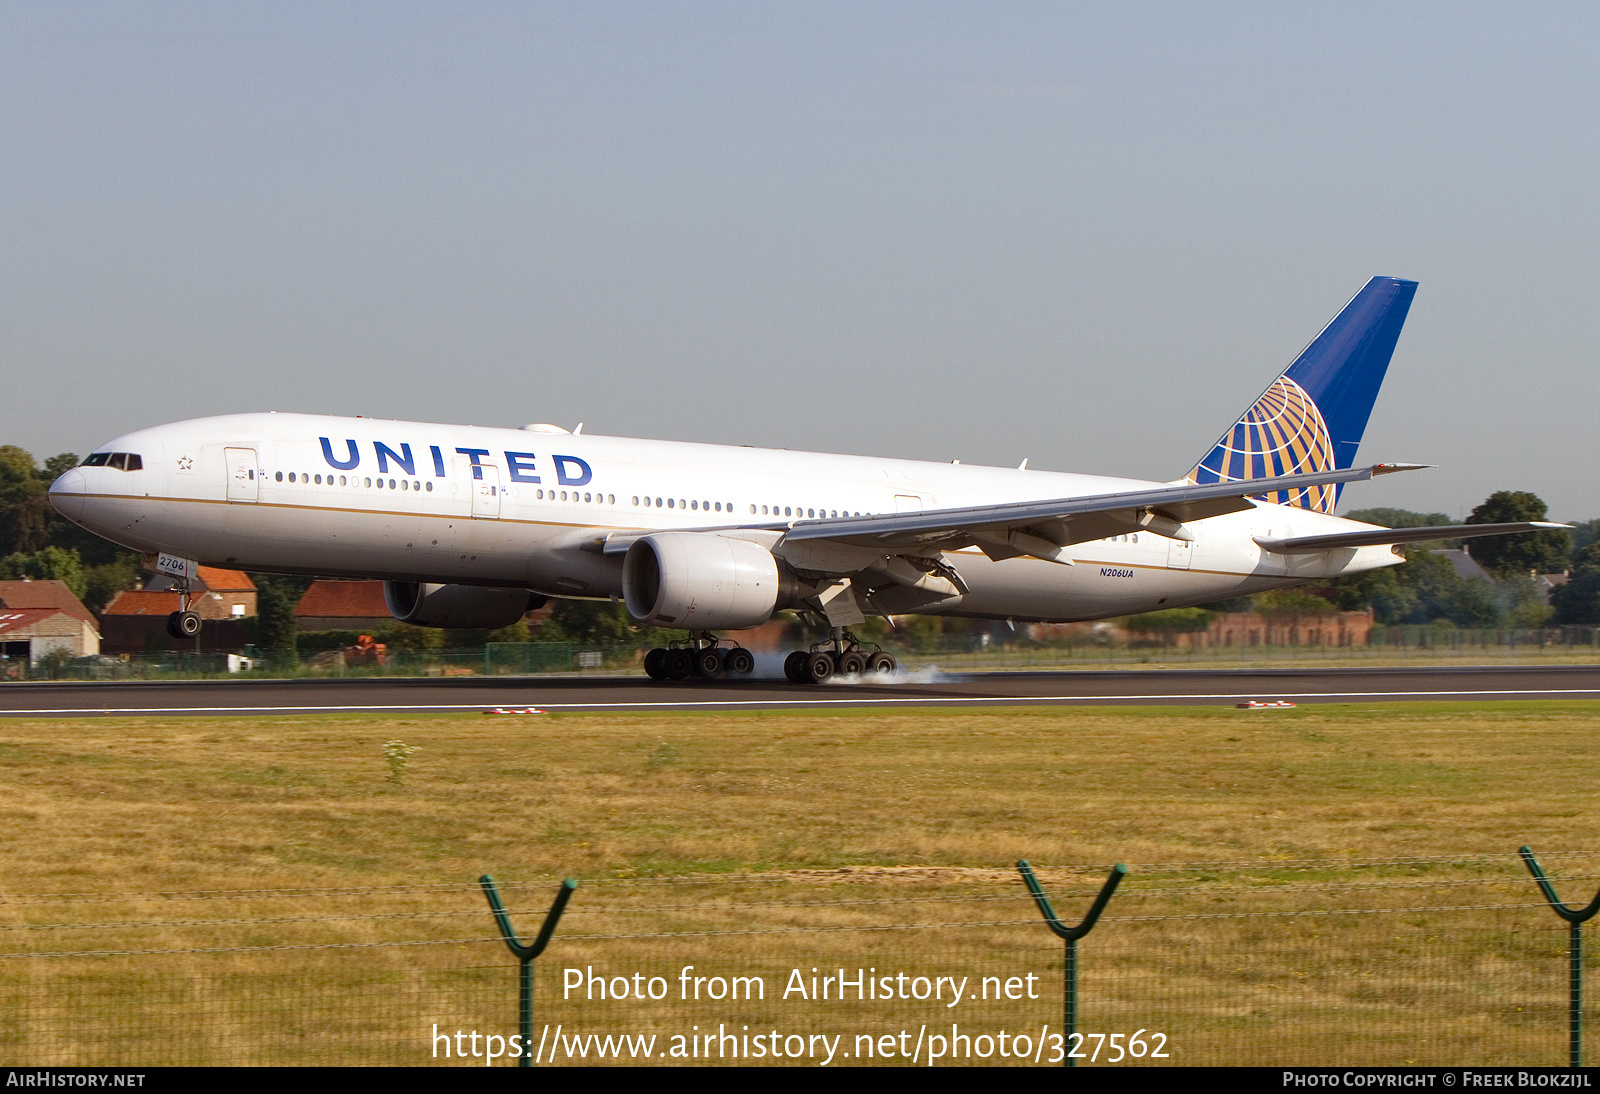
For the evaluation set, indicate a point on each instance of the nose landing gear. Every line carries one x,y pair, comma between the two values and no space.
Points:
183,624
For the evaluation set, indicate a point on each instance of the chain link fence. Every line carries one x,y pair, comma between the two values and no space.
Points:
1279,962
966,652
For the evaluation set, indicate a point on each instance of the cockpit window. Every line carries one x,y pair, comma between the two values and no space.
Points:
122,461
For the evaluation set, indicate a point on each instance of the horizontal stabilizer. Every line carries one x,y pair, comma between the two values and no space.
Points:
1375,536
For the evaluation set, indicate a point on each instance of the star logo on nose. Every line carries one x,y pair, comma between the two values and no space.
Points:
185,463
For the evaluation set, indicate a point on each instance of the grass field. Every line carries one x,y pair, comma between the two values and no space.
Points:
773,822
107,804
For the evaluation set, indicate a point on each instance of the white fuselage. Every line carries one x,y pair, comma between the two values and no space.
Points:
412,501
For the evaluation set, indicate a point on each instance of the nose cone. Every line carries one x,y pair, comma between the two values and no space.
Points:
67,494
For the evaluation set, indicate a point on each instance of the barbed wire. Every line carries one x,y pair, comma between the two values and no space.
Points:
205,894
248,949
824,874
805,929
733,905
1326,912
1322,864
1332,886
1131,888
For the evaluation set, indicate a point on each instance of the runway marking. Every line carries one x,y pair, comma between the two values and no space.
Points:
906,701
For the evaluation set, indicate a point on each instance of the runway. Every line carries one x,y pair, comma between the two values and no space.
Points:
1185,687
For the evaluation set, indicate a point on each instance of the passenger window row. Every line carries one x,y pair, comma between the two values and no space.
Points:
797,511
355,481
132,463
681,503
122,461
727,507
598,499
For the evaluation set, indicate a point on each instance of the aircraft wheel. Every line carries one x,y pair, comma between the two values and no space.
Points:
708,662
881,664
819,667
852,663
794,667
678,664
655,664
739,662
183,624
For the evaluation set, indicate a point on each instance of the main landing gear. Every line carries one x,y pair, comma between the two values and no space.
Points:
847,658
701,659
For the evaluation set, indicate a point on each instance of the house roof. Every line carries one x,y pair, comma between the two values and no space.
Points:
211,579
11,620
142,602
343,600
217,580
43,594
1464,564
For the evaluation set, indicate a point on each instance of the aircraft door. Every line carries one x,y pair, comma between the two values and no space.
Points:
1179,554
243,477
486,493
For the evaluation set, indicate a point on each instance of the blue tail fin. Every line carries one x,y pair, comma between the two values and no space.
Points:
1312,417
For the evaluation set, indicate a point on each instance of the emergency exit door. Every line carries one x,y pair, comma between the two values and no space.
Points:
243,477
486,492
1179,554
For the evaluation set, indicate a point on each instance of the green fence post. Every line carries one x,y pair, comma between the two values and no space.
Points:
526,954
1070,936
1575,920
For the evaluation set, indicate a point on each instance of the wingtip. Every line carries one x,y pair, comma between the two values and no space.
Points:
1391,468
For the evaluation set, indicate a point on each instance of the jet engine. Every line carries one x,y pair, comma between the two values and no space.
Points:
456,605
701,581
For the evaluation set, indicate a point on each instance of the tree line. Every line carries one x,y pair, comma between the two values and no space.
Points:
1428,589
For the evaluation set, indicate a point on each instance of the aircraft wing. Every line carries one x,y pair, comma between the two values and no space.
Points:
1374,536
1041,528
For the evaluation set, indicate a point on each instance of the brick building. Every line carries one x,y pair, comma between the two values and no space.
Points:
136,620
38,617
27,634
1256,629
342,606
26,593
214,594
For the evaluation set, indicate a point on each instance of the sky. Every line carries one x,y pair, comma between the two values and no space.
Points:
1088,235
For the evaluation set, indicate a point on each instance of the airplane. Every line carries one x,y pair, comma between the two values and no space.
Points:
471,527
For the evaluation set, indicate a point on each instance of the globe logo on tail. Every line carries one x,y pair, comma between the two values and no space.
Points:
1282,434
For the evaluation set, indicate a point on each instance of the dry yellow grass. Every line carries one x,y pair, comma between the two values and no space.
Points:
778,821
147,803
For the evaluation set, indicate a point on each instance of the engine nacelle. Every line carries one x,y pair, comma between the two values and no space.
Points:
467,606
700,581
